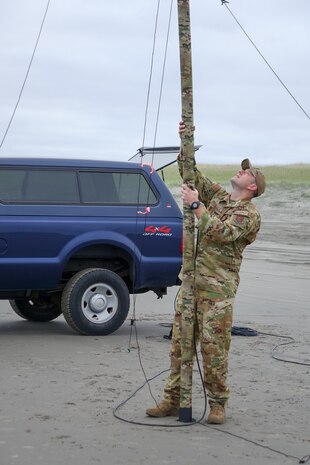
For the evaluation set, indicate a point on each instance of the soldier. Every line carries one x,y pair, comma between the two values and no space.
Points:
226,223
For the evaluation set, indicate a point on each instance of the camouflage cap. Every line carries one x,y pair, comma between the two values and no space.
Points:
260,179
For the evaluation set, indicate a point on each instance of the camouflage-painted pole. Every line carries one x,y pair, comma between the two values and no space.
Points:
187,143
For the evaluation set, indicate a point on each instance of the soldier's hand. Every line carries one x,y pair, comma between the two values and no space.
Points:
189,195
182,128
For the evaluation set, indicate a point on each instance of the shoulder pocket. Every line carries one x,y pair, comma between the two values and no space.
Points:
240,217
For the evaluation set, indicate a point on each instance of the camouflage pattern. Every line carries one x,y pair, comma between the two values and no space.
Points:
172,391
223,233
187,307
213,331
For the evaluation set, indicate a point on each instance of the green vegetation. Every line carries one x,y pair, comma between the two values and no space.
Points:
275,175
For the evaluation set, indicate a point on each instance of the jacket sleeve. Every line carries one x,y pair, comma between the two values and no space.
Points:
204,185
239,225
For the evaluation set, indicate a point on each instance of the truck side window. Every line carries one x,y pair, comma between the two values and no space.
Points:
38,186
51,186
98,187
134,189
11,185
115,188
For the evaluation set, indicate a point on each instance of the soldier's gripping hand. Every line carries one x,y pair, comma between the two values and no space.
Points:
189,194
182,128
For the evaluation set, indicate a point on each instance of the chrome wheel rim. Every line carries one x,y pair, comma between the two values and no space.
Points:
99,303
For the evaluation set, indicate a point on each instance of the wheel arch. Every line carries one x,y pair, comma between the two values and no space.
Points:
97,251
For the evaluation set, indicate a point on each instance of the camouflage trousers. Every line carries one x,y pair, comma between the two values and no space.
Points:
213,332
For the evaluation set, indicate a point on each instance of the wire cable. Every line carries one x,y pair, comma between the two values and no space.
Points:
147,381
224,2
27,73
133,320
140,423
141,364
150,74
291,340
302,460
251,441
162,76
249,332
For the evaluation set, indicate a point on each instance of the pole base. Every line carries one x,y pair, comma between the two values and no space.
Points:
185,415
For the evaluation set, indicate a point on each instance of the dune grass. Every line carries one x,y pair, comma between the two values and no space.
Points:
281,175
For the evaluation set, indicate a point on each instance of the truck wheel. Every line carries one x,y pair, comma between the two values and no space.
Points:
36,310
95,302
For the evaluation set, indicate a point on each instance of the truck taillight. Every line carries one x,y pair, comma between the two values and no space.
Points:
181,246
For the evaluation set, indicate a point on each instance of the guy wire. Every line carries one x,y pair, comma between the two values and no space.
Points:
224,2
150,74
27,73
133,319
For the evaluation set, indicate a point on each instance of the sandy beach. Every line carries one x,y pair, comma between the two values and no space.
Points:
59,389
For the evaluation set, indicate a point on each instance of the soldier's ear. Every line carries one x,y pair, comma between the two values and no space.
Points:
252,187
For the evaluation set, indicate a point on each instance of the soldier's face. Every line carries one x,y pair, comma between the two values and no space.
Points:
243,179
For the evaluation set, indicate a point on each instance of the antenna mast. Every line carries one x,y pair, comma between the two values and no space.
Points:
188,284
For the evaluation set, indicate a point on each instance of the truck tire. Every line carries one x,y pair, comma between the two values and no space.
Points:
36,310
95,302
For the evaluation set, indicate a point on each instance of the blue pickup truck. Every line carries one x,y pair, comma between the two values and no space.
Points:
77,237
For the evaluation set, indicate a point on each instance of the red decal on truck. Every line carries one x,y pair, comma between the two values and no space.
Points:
157,231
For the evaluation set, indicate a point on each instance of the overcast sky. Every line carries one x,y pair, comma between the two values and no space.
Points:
87,88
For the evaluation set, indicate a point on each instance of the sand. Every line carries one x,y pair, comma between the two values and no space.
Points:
59,389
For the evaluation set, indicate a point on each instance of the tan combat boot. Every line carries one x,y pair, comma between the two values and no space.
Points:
217,414
163,409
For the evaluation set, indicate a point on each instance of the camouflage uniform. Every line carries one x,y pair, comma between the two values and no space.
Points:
224,230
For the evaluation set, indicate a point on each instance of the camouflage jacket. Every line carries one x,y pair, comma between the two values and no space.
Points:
224,231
